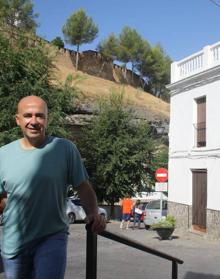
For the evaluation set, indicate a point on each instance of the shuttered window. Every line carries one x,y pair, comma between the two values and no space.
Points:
200,126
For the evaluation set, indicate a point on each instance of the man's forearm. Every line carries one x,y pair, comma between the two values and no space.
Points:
88,198
89,202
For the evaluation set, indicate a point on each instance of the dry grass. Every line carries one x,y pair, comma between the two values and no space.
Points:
92,88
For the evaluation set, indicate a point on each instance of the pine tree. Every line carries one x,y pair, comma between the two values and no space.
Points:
79,29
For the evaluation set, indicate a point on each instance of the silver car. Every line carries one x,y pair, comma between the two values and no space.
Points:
153,212
75,211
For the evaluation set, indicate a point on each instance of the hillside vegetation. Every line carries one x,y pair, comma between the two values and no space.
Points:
91,88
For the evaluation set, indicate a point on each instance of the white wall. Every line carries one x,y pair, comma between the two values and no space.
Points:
213,184
183,116
183,155
180,180
213,115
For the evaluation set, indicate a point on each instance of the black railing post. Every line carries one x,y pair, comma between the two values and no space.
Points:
91,254
174,270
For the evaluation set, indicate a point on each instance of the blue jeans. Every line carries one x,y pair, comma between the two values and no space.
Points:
45,259
137,219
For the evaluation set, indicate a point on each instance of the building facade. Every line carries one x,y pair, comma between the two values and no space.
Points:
194,138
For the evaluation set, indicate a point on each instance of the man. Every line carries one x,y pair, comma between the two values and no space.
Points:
126,212
35,172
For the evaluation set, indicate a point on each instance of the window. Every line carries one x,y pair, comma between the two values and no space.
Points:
154,205
200,126
164,205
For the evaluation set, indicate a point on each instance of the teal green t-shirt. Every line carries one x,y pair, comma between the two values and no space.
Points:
36,183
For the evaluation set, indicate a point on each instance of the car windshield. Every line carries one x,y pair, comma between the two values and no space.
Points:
156,204
153,205
143,205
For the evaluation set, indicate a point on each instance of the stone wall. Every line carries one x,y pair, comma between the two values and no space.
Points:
93,63
213,223
90,62
63,58
183,215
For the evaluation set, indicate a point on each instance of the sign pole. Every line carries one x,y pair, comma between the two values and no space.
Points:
161,176
161,203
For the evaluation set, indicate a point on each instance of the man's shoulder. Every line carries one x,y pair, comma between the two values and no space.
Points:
62,142
8,146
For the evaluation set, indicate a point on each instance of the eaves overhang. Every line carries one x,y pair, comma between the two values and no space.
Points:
197,80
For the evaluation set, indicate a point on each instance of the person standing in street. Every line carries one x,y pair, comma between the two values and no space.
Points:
137,212
126,212
35,172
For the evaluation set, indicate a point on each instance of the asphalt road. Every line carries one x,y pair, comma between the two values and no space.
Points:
117,261
200,255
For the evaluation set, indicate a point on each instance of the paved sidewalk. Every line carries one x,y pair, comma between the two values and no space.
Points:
201,256
178,237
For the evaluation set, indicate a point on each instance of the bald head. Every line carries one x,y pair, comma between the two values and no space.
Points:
32,118
29,101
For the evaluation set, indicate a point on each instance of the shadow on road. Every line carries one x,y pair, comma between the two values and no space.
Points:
172,237
194,275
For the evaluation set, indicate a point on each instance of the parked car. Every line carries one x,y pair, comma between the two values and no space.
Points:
75,211
153,212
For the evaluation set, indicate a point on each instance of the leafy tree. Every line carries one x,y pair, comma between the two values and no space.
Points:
18,13
145,68
156,67
139,55
109,47
161,70
115,149
79,29
58,42
26,71
150,63
131,46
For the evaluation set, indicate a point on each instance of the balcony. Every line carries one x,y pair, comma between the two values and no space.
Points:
205,59
200,134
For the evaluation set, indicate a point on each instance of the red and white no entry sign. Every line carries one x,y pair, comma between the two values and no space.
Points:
161,175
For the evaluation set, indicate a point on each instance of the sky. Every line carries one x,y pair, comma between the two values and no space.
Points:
182,27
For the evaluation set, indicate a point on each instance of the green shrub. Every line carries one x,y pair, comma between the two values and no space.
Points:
28,70
168,222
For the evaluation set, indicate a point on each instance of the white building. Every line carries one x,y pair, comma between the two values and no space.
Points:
194,137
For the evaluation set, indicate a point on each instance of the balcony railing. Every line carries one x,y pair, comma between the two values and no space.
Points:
91,252
200,134
205,59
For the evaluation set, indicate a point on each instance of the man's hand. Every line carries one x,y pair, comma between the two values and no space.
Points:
98,223
89,202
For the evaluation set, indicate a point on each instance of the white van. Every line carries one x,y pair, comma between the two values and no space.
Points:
154,211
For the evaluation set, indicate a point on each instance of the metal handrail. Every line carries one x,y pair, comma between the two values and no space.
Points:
91,252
